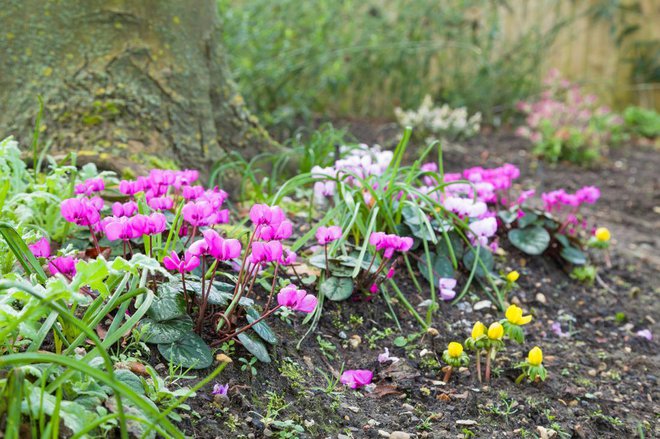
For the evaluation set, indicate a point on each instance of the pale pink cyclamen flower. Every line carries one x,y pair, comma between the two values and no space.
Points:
447,286
483,229
298,300
556,328
356,378
174,263
263,252
385,357
645,333
65,265
325,235
41,248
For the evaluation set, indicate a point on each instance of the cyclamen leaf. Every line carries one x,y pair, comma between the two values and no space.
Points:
486,258
337,288
189,352
262,328
255,347
169,303
440,265
532,240
573,255
166,331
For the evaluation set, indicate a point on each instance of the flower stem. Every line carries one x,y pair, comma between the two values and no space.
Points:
448,374
96,242
488,360
520,378
479,364
246,327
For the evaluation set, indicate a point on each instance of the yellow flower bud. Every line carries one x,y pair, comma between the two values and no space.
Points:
495,331
512,276
514,315
478,330
603,234
455,349
535,356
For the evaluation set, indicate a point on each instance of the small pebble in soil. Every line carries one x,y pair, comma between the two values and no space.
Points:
399,435
466,422
482,304
540,297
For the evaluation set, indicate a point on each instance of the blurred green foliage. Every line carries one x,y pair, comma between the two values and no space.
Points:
296,58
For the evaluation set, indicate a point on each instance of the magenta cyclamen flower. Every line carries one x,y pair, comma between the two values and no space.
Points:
277,232
90,186
192,192
128,187
197,213
41,248
325,235
356,378
160,203
266,252
220,390
220,248
288,257
262,214
156,223
174,263
81,211
65,265
297,300
390,243
129,208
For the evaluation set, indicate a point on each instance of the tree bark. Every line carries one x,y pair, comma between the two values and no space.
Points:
124,82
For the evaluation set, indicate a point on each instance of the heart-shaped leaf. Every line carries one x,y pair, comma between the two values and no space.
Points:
130,379
255,347
169,303
337,288
507,216
337,266
527,220
456,243
532,240
189,351
573,255
262,327
166,331
486,258
440,266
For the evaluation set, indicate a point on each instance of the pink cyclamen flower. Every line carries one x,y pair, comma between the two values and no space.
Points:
645,333
277,232
262,214
120,228
325,235
447,286
556,328
65,265
298,300
263,252
373,289
174,263
129,208
81,211
160,203
483,229
90,186
390,273
41,248
220,248
356,378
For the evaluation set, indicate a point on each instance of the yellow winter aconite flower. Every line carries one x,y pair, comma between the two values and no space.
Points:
514,314
478,330
512,276
455,349
603,234
535,356
495,331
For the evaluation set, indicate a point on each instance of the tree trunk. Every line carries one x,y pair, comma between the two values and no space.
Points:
124,82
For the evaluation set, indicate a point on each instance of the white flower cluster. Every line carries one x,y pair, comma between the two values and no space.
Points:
443,122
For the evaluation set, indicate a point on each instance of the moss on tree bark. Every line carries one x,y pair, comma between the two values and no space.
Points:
124,81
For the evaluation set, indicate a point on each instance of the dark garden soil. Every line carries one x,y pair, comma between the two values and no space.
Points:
602,377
